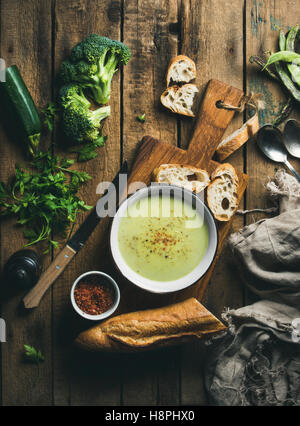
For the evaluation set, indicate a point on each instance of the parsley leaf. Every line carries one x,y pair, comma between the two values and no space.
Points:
142,118
88,150
33,355
49,113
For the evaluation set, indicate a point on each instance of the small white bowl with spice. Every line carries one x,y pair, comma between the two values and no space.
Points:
95,295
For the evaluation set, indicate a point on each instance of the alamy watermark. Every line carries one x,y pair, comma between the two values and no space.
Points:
107,205
2,331
2,71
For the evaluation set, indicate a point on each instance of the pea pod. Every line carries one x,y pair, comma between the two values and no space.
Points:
285,56
259,61
286,80
290,45
282,41
291,38
281,70
284,73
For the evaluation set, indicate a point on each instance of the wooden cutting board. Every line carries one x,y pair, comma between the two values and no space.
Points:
209,129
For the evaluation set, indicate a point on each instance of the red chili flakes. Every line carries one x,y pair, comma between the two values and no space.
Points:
92,297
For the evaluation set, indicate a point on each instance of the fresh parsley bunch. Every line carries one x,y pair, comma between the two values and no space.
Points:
44,200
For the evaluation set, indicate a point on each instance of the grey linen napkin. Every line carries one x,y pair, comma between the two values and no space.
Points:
268,252
258,362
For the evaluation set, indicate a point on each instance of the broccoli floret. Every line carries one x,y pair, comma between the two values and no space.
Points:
80,124
93,63
80,72
73,93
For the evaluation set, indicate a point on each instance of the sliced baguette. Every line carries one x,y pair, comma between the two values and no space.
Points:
144,330
180,99
226,171
222,196
238,138
181,69
188,177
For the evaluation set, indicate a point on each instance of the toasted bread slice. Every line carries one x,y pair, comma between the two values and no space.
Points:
187,177
238,138
222,196
180,99
181,70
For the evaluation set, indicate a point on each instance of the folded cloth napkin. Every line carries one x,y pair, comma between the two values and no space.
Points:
268,252
258,362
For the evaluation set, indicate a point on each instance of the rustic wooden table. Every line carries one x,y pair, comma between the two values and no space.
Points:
219,35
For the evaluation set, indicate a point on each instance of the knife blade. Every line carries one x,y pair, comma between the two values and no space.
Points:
75,244
85,230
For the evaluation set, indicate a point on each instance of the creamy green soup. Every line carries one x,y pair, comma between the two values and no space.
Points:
162,239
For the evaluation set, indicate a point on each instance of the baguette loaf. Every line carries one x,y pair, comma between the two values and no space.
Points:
181,69
188,177
222,196
144,330
180,99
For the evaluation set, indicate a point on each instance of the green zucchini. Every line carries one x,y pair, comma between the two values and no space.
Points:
20,109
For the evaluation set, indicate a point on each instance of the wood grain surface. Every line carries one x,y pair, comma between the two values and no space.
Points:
220,36
20,40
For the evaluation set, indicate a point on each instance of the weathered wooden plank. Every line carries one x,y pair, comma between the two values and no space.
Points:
147,33
140,379
25,41
263,20
212,35
83,380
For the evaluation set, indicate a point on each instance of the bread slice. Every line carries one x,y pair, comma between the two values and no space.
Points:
181,70
187,177
180,99
238,138
222,196
144,330
226,171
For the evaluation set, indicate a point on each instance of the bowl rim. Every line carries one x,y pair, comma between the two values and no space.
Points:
139,283
105,314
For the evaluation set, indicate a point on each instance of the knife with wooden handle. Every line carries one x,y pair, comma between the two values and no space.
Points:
75,244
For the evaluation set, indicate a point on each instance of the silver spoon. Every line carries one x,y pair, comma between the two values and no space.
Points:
292,137
270,141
